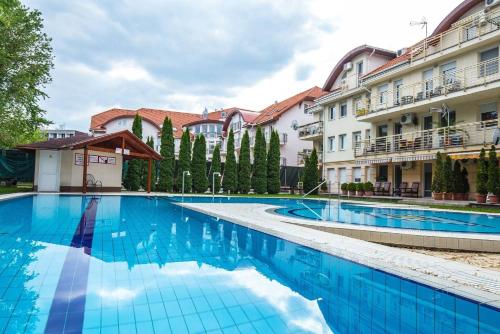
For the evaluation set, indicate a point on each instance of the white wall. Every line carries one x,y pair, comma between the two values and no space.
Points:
148,129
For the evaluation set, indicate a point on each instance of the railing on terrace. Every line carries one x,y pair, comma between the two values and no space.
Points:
311,129
463,135
467,29
461,79
301,156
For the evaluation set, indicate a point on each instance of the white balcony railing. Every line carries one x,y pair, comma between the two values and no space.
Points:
310,130
439,139
465,30
301,156
453,81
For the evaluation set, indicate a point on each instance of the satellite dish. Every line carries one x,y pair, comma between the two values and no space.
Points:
295,124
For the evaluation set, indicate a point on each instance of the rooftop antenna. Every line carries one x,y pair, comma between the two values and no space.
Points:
422,23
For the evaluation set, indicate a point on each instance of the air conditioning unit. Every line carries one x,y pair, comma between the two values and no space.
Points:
407,165
491,3
406,118
348,66
401,52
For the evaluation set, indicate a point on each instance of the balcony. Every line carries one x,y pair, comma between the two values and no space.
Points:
452,139
311,131
301,156
469,30
469,80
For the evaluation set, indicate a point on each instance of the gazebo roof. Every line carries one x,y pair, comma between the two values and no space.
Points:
105,143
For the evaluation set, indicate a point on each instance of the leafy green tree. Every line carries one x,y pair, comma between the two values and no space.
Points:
199,165
482,174
215,168
259,178
229,181
25,63
273,164
492,183
151,144
447,175
184,163
135,166
244,165
311,174
167,151
437,180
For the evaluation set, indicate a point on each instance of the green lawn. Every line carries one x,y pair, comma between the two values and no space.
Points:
21,187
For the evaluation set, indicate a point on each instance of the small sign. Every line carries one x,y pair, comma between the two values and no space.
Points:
103,159
112,160
79,159
126,151
94,159
118,150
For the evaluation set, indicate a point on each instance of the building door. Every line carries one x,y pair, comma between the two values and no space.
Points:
398,176
427,179
342,175
383,173
48,170
331,176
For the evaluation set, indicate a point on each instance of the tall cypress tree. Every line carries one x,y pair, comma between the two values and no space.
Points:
229,181
215,168
482,174
167,151
199,165
244,165
259,178
151,144
492,183
184,162
311,174
273,164
134,171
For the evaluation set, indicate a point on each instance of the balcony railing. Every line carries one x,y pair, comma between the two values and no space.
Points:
458,80
311,130
301,156
465,30
439,139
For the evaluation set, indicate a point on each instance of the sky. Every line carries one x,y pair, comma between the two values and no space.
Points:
187,55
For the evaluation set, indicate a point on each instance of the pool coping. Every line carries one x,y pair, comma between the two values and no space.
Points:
464,280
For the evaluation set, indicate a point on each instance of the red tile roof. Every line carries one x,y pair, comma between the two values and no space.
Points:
393,62
275,110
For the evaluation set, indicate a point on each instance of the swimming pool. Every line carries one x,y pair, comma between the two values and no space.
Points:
369,215
135,264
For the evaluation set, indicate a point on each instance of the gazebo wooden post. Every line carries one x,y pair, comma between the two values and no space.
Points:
149,175
84,178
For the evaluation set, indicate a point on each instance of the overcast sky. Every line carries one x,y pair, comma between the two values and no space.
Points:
187,55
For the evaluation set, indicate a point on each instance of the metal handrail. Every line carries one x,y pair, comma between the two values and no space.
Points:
319,185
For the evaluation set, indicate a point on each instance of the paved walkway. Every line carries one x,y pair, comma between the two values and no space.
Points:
465,280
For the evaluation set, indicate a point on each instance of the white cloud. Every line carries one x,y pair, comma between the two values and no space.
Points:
128,70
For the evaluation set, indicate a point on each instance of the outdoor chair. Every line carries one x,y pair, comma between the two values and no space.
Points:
412,191
384,189
399,190
377,187
93,184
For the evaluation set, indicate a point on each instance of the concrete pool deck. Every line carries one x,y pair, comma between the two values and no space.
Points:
461,279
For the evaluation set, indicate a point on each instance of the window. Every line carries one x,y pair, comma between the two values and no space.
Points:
356,139
489,113
204,128
453,117
470,32
342,175
342,142
223,114
343,110
382,130
331,144
489,62
397,91
332,113
305,108
368,134
359,68
63,135
356,174
427,79
448,71
382,93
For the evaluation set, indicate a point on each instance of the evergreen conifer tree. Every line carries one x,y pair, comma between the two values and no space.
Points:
151,144
259,177
492,183
199,165
167,151
244,165
273,164
215,168
437,179
447,175
135,166
482,174
184,163
311,175
229,181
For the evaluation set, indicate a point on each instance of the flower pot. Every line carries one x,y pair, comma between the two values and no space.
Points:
368,193
457,196
480,198
352,192
437,196
447,196
493,199
360,193
344,192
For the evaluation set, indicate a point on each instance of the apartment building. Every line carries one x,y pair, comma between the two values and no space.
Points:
285,117
334,130
439,95
237,119
61,133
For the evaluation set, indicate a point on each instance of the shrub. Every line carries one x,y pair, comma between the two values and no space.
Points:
492,183
482,174
368,186
360,186
343,186
351,186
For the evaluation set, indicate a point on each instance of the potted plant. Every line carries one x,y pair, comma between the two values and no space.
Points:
360,189
492,183
343,188
465,184
351,188
437,180
447,178
368,189
481,178
458,188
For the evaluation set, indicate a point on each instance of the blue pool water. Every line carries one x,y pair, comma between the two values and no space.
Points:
358,214
132,264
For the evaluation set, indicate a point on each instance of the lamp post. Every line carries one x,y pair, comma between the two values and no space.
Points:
184,173
213,183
